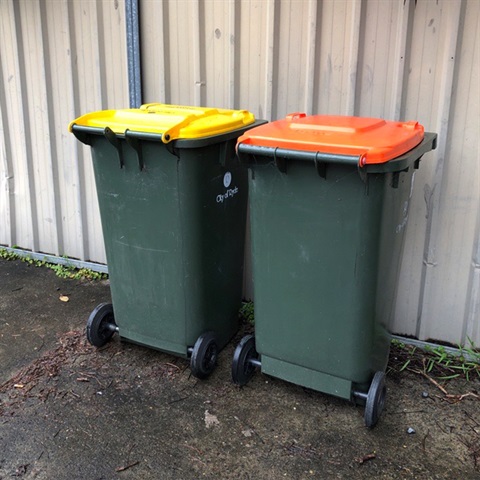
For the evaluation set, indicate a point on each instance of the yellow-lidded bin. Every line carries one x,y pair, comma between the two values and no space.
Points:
172,197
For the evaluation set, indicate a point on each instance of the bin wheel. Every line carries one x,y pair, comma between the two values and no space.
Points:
242,368
375,399
101,325
204,355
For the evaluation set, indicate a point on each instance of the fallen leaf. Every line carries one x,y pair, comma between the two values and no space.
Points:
64,298
211,420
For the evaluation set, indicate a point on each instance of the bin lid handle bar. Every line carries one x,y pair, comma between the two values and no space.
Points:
356,160
173,132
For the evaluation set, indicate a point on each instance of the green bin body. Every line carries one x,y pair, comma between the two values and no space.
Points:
326,250
173,218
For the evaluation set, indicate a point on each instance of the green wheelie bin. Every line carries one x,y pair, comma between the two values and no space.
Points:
172,197
329,201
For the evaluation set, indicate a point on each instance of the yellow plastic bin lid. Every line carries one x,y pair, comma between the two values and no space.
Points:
170,121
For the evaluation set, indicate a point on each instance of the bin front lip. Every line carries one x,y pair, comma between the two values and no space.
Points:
82,133
246,152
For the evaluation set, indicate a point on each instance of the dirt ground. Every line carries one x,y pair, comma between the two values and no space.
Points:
69,411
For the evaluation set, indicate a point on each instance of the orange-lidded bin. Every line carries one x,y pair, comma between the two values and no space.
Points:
329,200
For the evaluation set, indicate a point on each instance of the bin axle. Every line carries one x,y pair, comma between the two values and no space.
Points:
361,395
255,362
112,327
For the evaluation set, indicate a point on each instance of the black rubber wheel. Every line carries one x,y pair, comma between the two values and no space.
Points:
204,355
242,369
375,399
100,325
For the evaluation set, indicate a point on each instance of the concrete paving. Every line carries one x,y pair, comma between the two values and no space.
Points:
70,411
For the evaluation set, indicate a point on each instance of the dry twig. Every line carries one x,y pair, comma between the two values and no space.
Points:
126,467
366,458
449,396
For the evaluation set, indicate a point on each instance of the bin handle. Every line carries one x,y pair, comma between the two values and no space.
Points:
113,140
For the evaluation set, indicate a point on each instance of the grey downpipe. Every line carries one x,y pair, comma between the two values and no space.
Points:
133,53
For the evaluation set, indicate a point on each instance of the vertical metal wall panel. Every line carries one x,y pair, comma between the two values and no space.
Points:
337,51
37,132
182,55
292,61
378,58
20,229
153,45
88,71
219,53
7,203
113,44
69,225
7,213
255,63
396,59
465,124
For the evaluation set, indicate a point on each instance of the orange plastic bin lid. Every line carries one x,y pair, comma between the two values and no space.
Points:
374,140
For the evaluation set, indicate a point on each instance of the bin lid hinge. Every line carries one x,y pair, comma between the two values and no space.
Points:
362,172
115,142
227,152
137,146
321,167
223,154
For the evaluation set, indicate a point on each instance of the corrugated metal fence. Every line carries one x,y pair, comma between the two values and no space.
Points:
395,59
57,59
